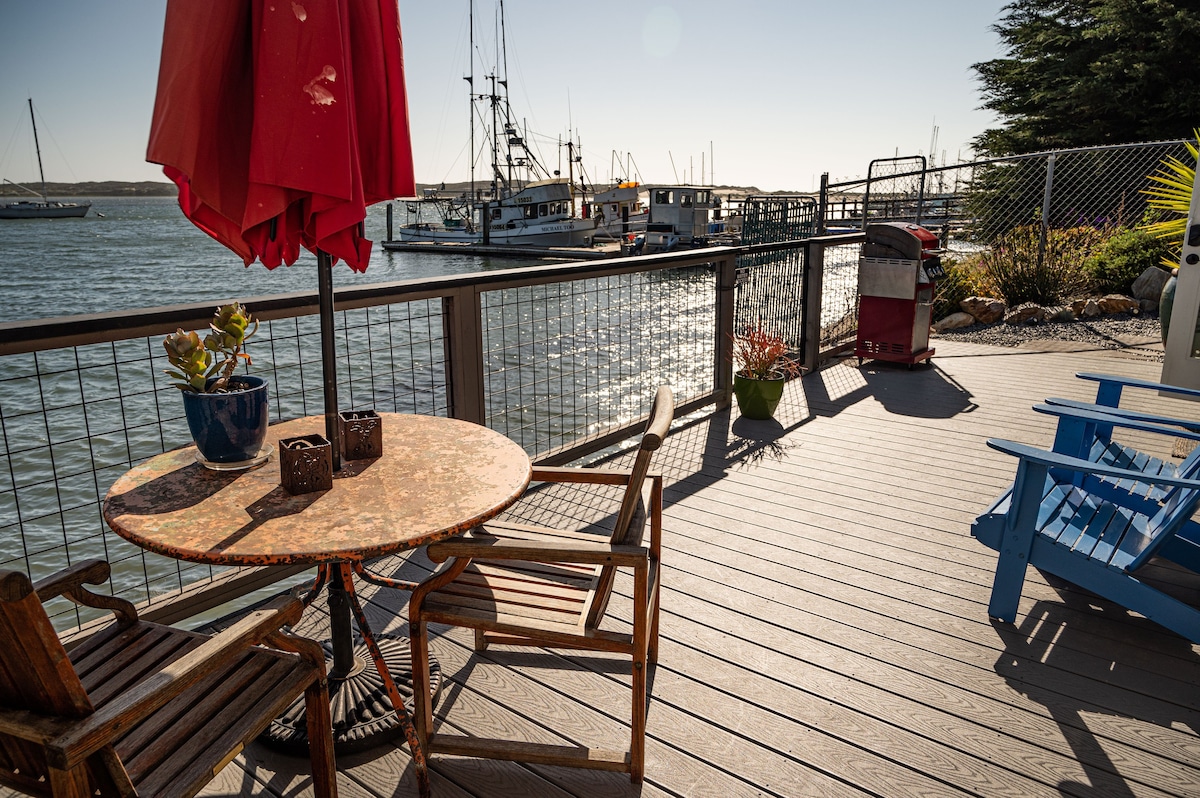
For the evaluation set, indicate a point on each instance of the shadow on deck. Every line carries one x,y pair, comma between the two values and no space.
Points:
824,625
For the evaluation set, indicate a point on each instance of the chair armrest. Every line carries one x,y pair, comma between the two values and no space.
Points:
92,572
1128,421
591,476
96,730
1133,382
599,553
69,582
1191,426
1053,460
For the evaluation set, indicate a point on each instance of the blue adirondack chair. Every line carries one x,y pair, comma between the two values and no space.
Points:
1085,432
1049,521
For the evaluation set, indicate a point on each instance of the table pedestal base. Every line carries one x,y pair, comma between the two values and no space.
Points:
362,713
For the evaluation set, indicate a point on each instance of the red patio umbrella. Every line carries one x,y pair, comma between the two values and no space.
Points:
281,121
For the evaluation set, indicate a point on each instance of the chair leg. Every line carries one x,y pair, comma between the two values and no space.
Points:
637,734
422,707
481,641
71,783
320,739
652,644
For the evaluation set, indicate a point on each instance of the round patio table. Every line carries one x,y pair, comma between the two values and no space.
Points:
436,477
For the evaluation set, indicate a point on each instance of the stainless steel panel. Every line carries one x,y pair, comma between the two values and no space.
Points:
893,278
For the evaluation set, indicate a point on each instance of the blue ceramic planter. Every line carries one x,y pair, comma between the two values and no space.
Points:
229,427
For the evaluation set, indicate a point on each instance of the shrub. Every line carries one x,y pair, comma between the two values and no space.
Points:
964,278
1013,265
1122,258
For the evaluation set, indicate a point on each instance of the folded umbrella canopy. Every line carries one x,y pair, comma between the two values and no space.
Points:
280,122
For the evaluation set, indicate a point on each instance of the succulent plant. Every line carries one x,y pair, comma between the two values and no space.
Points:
194,363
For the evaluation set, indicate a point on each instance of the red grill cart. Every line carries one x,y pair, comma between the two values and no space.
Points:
897,272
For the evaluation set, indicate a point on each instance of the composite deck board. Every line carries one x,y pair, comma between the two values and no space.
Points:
824,625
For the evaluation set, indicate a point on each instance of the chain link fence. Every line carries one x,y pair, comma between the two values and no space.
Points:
972,204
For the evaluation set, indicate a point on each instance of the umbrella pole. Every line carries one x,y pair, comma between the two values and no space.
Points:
329,354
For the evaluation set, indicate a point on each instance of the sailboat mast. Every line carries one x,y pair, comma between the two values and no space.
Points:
37,147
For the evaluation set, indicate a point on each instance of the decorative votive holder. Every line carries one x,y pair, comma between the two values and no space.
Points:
362,434
305,464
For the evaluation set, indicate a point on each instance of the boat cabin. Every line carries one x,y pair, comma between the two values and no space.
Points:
679,216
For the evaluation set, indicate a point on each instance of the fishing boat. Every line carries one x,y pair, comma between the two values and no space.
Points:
522,204
619,211
46,208
680,218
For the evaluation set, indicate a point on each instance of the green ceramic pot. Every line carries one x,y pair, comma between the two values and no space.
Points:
758,398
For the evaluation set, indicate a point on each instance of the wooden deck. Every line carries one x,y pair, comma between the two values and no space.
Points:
824,627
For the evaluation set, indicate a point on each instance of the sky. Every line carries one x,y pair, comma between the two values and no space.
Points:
764,93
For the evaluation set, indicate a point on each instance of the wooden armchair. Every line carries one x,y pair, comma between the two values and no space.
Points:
527,585
142,709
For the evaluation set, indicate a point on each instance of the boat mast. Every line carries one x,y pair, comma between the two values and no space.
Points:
471,91
37,147
508,124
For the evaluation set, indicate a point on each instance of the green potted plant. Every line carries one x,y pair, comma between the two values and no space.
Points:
763,369
226,412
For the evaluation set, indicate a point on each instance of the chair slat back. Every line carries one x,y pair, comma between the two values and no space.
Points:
35,672
631,518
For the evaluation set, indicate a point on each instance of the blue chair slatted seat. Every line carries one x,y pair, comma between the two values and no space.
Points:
1048,520
1083,431
1093,439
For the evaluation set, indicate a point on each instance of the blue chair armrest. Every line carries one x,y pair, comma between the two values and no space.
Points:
1054,460
1104,416
1116,382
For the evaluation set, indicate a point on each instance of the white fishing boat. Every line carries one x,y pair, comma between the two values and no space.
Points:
680,218
45,208
522,204
619,211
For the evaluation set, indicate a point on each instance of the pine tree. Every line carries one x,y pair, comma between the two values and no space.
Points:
1091,72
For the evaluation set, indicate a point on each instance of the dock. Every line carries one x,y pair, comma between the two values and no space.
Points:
597,252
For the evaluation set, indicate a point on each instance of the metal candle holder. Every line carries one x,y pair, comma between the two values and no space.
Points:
361,434
305,464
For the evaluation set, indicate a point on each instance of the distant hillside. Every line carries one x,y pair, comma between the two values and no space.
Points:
149,188
107,188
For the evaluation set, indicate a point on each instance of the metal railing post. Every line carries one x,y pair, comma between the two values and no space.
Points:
725,311
823,204
463,331
1045,231
814,271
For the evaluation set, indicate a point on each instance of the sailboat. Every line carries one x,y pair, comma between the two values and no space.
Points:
46,208
523,203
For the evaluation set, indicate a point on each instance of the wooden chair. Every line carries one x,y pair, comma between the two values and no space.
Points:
142,709
528,585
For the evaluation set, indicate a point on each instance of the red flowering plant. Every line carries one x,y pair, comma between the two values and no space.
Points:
762,355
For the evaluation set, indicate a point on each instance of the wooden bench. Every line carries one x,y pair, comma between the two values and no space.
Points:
1048,520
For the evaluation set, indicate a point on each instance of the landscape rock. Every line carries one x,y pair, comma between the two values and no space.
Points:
1091,309
1029,313
1148,305
954,321
1150,284
1116,303
984,310
1060,314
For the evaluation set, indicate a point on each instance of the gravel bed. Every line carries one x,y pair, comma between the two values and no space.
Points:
1101,332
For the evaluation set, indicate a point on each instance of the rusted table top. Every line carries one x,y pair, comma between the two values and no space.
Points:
437,477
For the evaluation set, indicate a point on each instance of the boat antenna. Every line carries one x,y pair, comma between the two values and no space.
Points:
37,147
673,169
